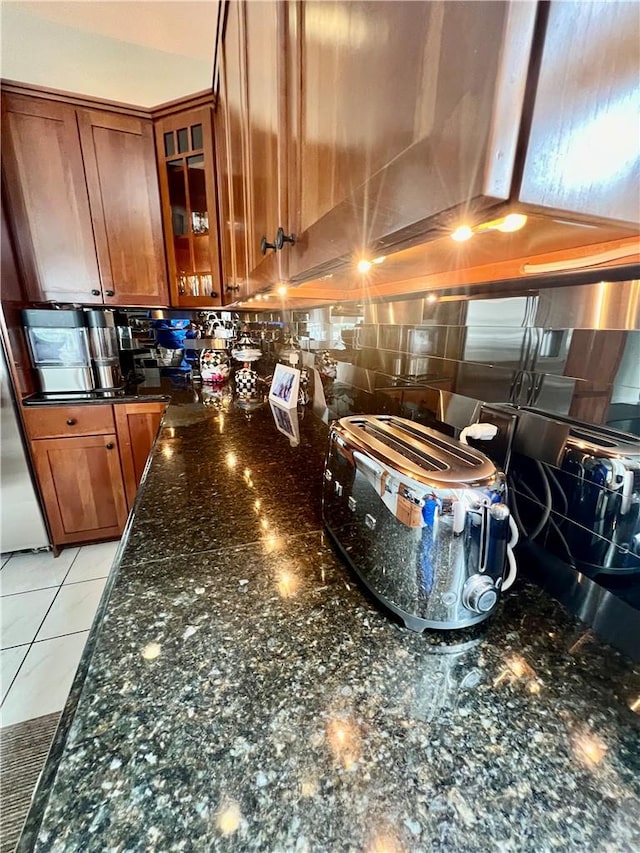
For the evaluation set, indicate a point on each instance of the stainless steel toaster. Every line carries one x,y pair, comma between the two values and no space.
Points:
578,494
420,517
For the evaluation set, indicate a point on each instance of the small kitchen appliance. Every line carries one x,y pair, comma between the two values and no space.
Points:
103,345
421,518
59,348
578,492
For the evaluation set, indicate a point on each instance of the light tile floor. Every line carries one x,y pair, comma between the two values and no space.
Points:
47,606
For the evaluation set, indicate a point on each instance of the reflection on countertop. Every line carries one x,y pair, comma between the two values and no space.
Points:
240,691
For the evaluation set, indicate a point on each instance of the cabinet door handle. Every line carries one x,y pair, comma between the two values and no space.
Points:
264,246
110,446
95,292
109,293
282,238
71,421
232,288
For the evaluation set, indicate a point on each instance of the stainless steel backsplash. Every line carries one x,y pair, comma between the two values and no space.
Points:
569,350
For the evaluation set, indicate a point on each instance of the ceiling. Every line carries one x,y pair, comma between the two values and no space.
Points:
141,52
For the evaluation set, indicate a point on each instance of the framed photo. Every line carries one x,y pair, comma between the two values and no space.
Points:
284,386
286,421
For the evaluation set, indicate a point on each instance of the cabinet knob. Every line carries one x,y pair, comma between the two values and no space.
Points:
282,238
213,294
95,292
231,288
109,293
109,446
71,421
264,246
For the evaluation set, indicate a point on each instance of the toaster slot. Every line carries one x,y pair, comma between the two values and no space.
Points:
415,451
418,457
442,444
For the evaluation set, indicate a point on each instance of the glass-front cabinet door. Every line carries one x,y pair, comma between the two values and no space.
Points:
184,143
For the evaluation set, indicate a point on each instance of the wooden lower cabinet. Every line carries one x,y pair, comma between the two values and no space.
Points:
82,485
137,425
89,461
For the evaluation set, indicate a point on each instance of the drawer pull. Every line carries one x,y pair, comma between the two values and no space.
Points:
71,421
110,446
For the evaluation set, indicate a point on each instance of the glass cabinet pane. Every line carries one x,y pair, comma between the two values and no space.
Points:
178,197
197,194
183,140
196,137
169,145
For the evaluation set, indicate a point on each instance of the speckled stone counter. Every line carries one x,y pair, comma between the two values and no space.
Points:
241,692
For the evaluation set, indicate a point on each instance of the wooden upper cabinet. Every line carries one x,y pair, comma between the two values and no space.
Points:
223,184
119,160
400,112
48,201
184,145
267,176
583,155
233,157
83,194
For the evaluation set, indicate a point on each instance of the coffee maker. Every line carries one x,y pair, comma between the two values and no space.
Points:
103,345
73,350
59,348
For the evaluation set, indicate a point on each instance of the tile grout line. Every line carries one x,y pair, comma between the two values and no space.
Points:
33,641
53,586
31,644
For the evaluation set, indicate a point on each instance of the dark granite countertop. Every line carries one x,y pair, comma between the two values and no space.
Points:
240,691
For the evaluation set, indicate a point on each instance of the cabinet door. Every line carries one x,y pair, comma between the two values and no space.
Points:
233,168
45,184
401,112
81,483
264,27
583,154
119,159
137,426
225,216
184,145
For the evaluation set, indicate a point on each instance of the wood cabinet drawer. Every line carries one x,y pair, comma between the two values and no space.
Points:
67,421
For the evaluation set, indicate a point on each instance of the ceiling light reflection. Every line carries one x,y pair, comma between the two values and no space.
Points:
231,460
151,651
363,265
288,584
228,818
344,740
385,842
589,748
